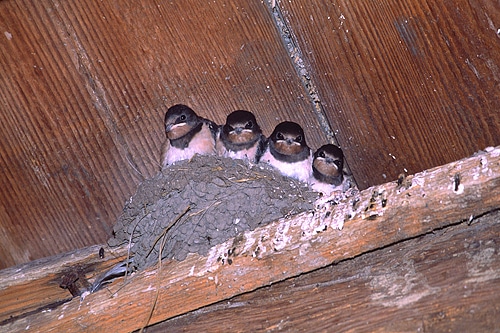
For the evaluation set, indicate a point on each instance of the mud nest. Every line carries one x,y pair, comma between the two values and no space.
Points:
193,205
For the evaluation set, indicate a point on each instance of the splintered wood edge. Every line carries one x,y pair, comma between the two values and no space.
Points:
377,217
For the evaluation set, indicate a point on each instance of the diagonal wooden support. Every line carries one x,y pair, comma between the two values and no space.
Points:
377,217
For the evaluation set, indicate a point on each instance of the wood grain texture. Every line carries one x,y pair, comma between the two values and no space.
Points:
406,86
85,86
35,286
446,281
375,218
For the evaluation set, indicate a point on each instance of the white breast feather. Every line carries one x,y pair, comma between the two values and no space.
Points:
301,170
202,144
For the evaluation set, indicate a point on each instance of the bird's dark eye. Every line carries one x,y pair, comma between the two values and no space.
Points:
249,124
298,138
280,136
321,154
182,117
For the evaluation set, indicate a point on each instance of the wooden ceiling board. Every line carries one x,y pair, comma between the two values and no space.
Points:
39,145
216,57
85,86
406,86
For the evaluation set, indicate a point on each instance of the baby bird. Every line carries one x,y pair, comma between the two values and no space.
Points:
327,169
241,137
187,135
288,152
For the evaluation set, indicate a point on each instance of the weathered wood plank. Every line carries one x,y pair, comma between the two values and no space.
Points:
445,281
84,89
405,85
35,286
376,218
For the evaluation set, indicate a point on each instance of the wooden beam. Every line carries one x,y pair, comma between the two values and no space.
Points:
445,281
377,217
31,287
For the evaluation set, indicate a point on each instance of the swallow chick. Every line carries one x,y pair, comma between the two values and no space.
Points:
187,135
288,152
241,137
327,169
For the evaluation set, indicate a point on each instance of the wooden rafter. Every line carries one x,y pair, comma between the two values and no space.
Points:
377,217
